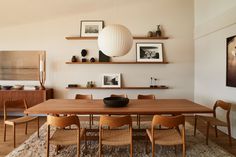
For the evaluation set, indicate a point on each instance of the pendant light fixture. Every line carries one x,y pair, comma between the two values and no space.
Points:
115,40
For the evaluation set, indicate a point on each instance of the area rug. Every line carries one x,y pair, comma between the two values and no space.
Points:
195,147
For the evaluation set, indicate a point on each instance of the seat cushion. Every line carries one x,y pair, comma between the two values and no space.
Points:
66,136
212,120
116,137
20,120
165,137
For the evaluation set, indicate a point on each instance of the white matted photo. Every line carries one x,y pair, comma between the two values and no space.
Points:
111,80
149,52
90,28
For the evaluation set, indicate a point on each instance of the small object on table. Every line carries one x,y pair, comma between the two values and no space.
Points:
6,87
72,85
115,101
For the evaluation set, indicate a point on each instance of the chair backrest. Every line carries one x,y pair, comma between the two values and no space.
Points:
149,96
115,121
63,122
82,96
119,95
168,121
223,105
14,104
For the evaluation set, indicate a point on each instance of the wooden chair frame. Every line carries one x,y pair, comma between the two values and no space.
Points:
114,122
223,105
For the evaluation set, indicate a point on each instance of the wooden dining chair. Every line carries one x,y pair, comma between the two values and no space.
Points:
64,136
119,95
213,121
86,97
150,97
171,136
115,136
16,105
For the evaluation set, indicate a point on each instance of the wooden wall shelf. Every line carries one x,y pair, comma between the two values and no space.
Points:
159,87
117,62
135,37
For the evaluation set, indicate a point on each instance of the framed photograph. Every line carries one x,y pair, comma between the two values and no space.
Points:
149,52
111,80
231,61
91,28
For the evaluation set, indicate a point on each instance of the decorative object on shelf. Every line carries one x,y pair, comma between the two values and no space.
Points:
149,52
150,34
151,85
90,84
84,60
231,61
115,101
158,31
115,40
111,80
92,59
103,57
155,82
84,52
74,59
72,85
90,28
42,71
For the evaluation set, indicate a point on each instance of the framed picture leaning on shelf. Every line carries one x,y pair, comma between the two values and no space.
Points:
91,28
149,52
111,80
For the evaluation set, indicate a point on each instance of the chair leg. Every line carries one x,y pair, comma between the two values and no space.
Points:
184,150
26,126
195,125
100,150
38,126
5,131
207,132
85,140
153,149
48,138
131,149
137,119
229,134
92,118
14,136
90,121
175,149
216,131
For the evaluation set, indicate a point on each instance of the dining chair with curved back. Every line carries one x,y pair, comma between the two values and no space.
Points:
148,97
16,105
172,135
64,136
119,95
115,136
86,97
214,121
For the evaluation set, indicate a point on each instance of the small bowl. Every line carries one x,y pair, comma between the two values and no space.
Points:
6,87
115,101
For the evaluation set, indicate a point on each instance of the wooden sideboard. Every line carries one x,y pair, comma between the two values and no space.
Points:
32,97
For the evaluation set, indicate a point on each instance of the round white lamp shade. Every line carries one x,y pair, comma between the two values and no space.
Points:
115,40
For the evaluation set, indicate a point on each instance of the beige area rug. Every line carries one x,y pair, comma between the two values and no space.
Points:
196,147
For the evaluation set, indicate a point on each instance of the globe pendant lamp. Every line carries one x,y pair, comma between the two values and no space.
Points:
115,40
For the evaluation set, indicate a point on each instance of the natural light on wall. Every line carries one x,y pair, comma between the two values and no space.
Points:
115,40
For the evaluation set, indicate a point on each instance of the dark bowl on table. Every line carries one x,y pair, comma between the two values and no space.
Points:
6,87
115,101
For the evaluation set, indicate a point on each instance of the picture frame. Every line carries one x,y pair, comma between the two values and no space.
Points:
111,80
91,28
231,61
149,52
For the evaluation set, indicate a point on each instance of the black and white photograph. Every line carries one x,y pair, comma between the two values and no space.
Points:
149,52
90,28
231,62
111,80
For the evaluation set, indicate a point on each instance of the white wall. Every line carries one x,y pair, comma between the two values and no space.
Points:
210,53
176,17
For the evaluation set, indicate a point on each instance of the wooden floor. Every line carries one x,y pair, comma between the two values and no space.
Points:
6,147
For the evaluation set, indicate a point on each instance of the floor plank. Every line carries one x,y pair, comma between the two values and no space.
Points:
6,147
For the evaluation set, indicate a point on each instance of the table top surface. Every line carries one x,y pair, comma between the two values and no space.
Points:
159,106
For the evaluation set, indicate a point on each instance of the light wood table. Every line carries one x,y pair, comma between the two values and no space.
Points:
142,107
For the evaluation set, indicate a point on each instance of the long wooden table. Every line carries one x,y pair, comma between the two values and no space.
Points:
143,107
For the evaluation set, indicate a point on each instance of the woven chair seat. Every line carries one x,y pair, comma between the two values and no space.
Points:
20,120
116,137
66,137
212,120
165,137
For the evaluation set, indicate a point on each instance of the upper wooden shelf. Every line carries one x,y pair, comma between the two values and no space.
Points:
158,87
135,37
117,62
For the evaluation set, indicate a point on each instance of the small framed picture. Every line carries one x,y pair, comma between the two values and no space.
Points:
91,28
149,52
111,80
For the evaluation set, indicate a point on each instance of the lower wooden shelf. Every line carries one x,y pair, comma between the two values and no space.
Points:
158,87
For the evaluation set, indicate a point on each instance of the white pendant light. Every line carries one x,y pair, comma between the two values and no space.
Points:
115,40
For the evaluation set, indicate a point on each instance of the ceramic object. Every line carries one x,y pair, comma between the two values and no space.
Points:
115,101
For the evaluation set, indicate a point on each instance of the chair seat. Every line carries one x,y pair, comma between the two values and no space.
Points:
116,137
65,137
165,137
212,120
20,120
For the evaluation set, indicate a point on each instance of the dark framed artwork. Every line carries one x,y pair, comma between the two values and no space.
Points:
149,52
91,28
231,61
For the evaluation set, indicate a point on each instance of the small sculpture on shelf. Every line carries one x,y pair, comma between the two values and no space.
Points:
74,59
83,54
90,84
158,31
153,82
92,60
